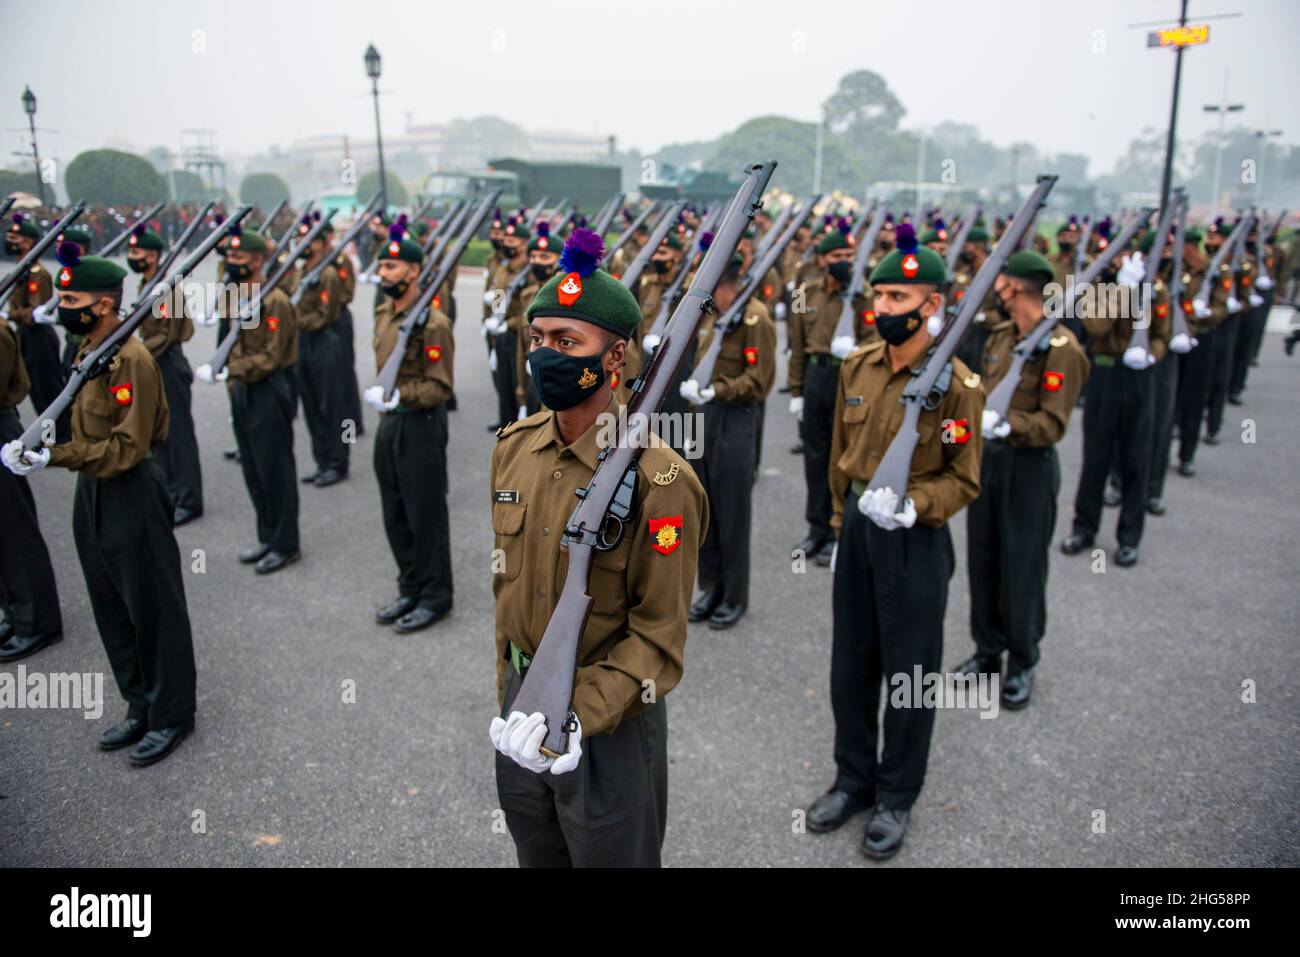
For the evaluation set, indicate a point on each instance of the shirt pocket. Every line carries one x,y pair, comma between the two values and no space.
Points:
99,411
507,526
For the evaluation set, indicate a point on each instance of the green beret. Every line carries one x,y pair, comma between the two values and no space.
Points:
246,242
1147,241
87,273
518,230
1028,264
672,240
581,290
978,233
1193,235
750,233
938,233
143,239
544,242
77,234
910,264
24,226
835,239
422,229
407,250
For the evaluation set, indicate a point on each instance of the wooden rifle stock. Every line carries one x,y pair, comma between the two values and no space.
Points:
896,467
606,503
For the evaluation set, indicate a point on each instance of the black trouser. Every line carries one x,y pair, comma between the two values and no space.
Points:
263,421
1249,335
1009,531
178,455
1195,371
889,597
27,590
503,347
40,349
1166,395
351,398
1222,373
726,470
1117,420
674,407
821,379
609,811
411,465
123,530
322,386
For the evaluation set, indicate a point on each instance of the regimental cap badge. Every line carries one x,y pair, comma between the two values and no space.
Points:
65,277
910,265
570,289
587,379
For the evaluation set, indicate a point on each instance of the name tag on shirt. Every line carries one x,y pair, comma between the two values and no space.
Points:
853,400
506,495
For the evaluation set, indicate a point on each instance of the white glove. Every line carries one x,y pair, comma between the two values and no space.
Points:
1132,270
779,311
1255,299
649,343
692,393
1200,309
790,285
205,319
1234,304
934,325
488,296
523,412
20,462
841,346
495,325
204,374
907,517
1135,357
492,360
374,397
1264,282
993,426
796,408
1182,343
45,318
879,505
569,760
513,737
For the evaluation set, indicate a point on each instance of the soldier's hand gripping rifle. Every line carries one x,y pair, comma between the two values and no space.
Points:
896,467
19,272
845,339
116,243
999,400
418,315
1182,340
97,360
598,521
626,235
1140,336
666,222
253,307
1200,304
312,279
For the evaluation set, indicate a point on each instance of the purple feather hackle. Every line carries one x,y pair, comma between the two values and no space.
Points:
582,252
69,253
906,238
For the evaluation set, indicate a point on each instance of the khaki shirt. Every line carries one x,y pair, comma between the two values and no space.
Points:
636,632
814,315
522,340
172,324
116,418
1111,336
746,366
319,306
945,475
347,273
496,276
625,257
1049,387
33,291
14,383
425,377
270,345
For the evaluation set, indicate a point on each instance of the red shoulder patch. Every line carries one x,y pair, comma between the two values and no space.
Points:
122,394
667,533
1052,381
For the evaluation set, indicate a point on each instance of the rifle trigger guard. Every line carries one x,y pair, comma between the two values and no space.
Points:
707,306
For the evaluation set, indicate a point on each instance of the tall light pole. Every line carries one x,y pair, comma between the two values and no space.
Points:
817,155
29,107
1168,173
1263,137
1223,108
372,71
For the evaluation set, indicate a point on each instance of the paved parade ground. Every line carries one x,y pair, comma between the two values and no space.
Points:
1138,749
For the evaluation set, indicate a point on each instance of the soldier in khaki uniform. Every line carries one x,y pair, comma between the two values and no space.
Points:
162,332
604,803
321,365
411,445
1009,526
814,374
38,341
503,334
656,279
29,598
895,556
262,405
1205,304
1119,407
346,272
732,403
543,254
122,517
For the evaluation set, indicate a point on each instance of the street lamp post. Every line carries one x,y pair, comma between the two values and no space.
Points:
29,107
372,71
1263,137
1223,109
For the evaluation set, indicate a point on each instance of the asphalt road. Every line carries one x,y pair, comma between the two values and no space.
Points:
1137,713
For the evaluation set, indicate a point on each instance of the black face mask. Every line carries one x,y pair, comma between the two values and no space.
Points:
77,321
11,248
136,265
563,380
841,272
886,245
496,245
541,272
661,265
896,330
966,258
395,290
1064,247
238,272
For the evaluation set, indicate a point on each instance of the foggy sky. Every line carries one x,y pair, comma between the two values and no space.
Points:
274,70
